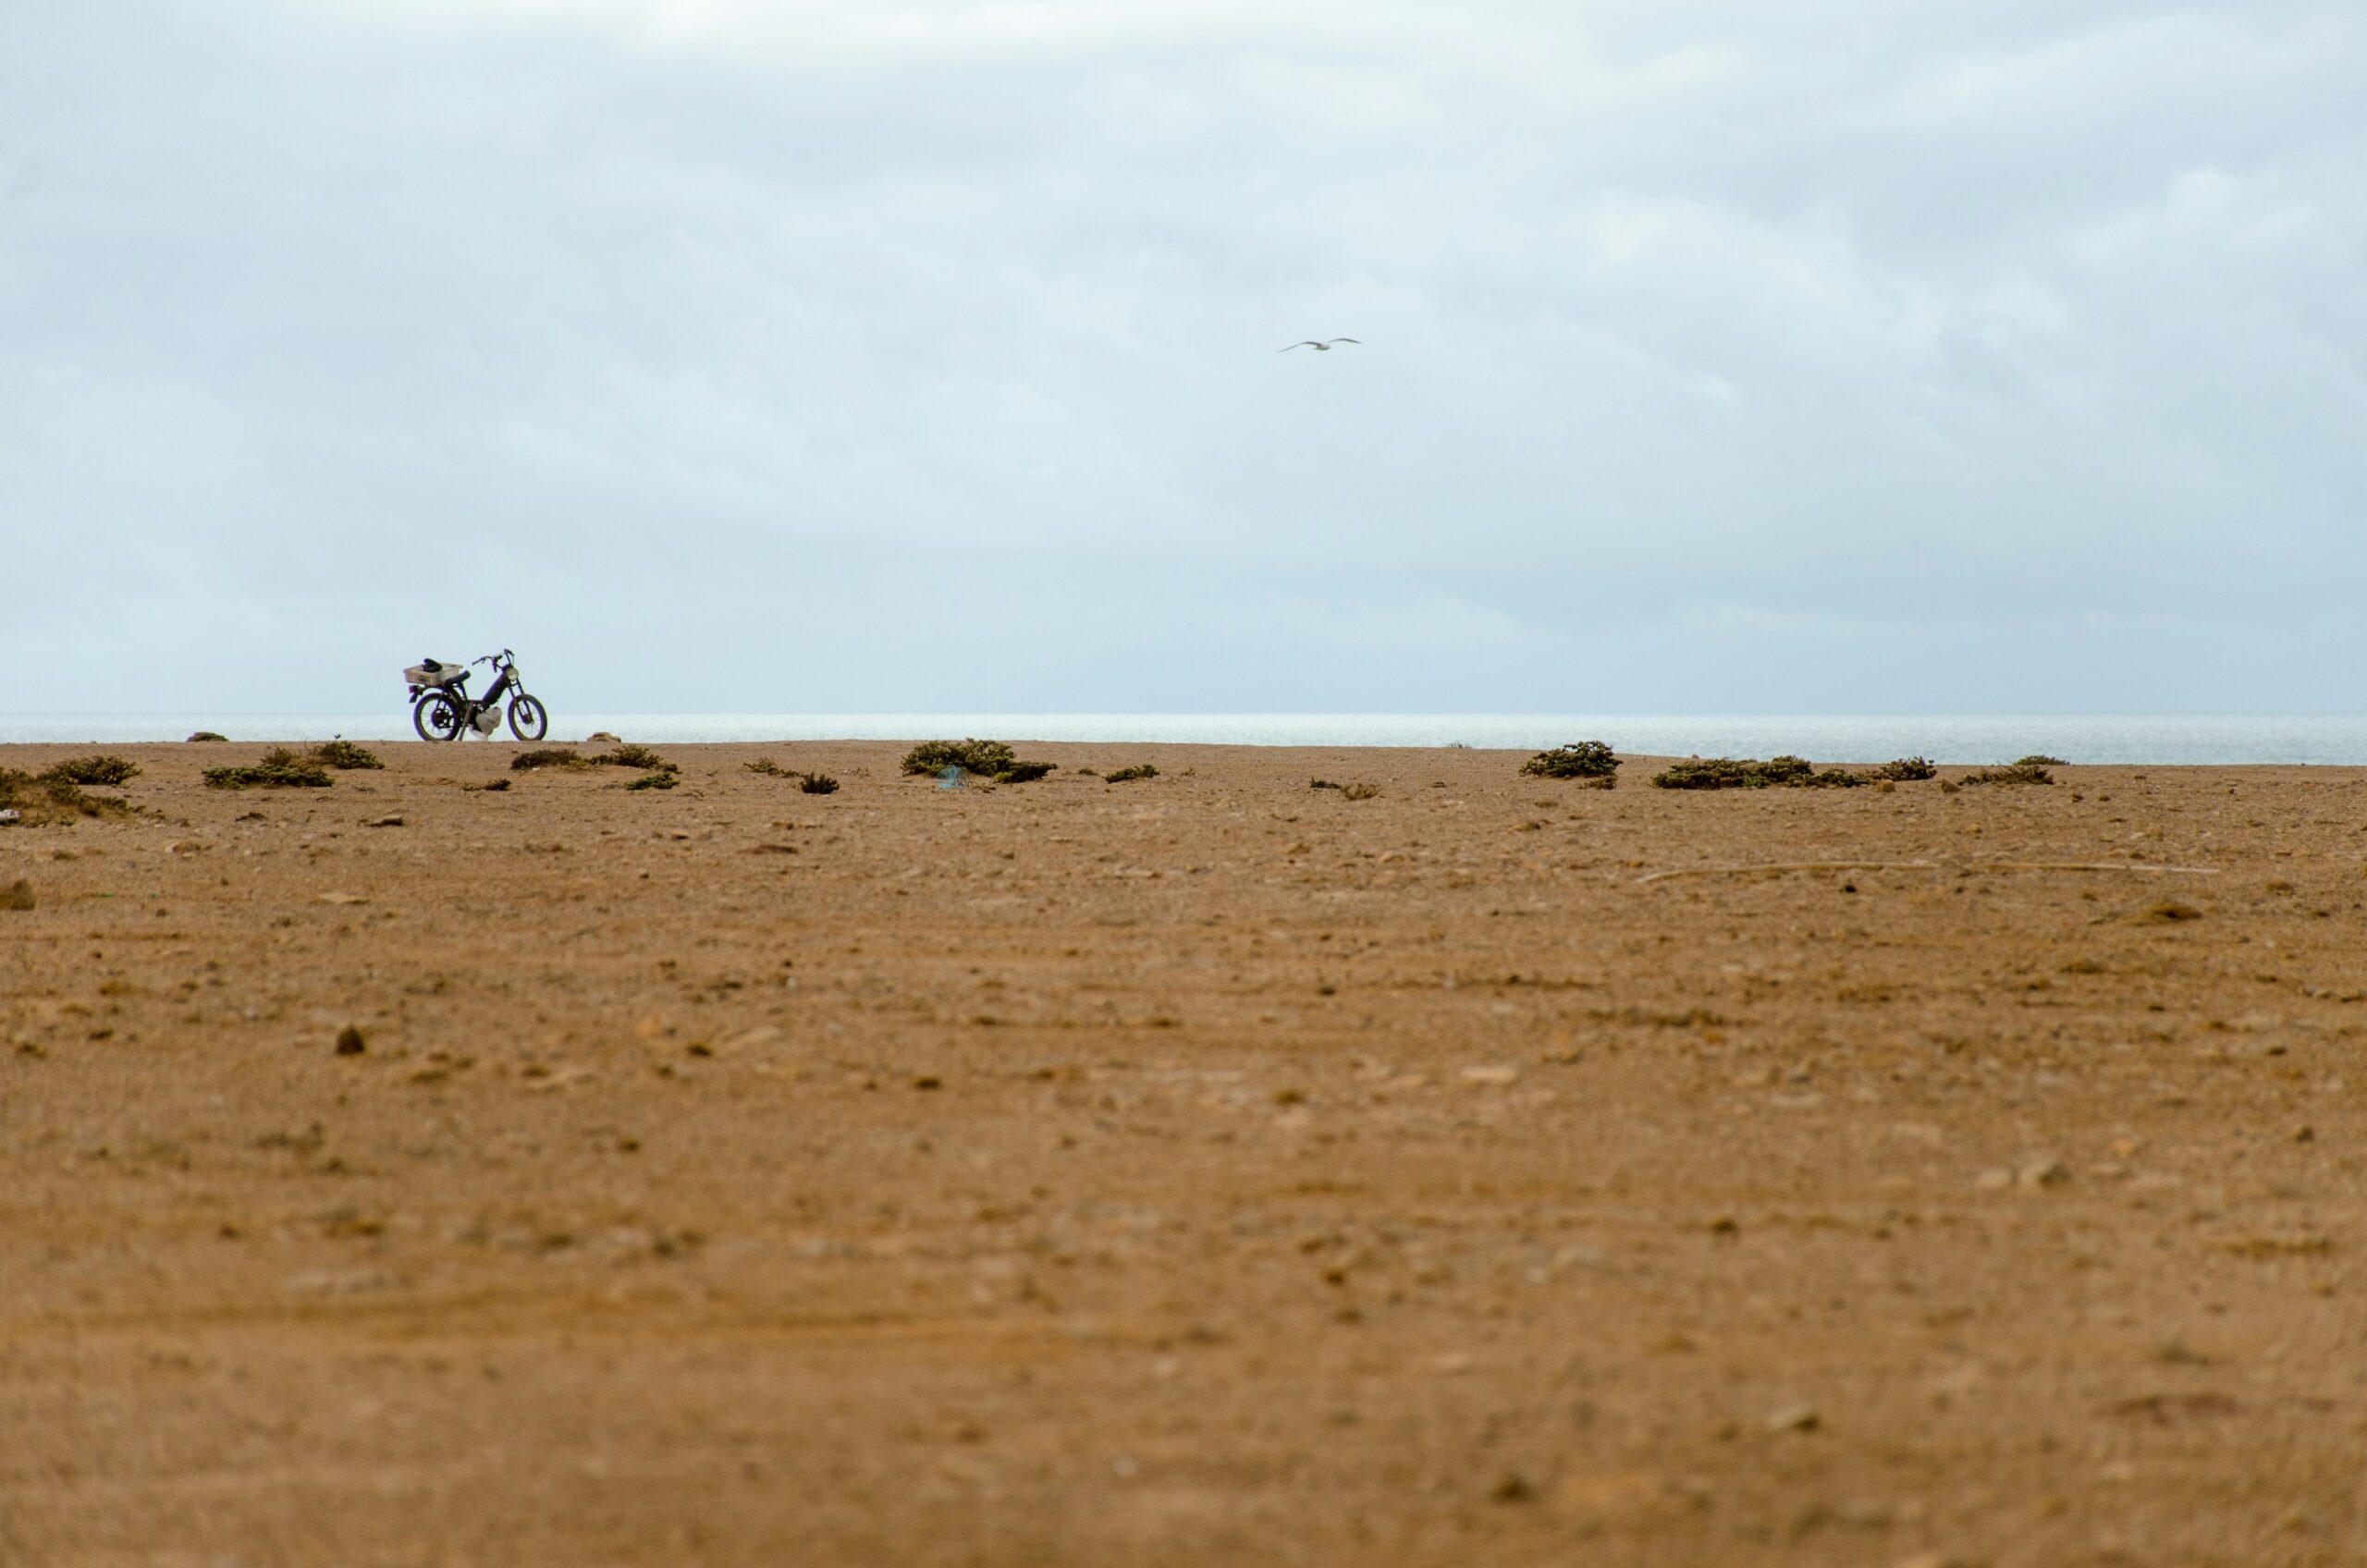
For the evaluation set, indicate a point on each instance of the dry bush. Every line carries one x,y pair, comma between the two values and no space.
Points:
2019,773
1578,759
633,756
110,771
346,756
279,769
985,758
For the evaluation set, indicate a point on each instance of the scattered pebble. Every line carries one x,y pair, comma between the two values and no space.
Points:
349,1041
1795,1418
2042,1173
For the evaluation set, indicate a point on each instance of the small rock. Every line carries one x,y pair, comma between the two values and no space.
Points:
2039,1174
1795,1418
344,898
383,822
2305,1134
11,814
17,895
349,1041
1492,1076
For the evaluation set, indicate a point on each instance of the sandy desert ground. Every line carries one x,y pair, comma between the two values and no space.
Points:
1204,1169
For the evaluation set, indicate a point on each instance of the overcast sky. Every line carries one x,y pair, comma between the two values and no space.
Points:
847,355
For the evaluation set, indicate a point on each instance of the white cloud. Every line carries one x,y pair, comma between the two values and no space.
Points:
1979,311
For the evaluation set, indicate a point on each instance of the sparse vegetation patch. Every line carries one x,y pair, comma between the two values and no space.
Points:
1358,791
51,798
633,756
549,756
346,756
1128,775
279,769
1023,772
812,783
204,735
2024,772
104,770
2040,759
655,781
1784,773
1579,759
1726,772
988,759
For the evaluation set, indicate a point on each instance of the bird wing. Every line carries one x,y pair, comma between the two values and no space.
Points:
1358,342
1301,343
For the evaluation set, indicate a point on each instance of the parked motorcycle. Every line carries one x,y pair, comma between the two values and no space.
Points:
441,708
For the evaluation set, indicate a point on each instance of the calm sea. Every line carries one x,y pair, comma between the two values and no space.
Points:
2198,739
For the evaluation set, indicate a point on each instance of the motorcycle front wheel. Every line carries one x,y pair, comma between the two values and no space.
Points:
438,715
528,720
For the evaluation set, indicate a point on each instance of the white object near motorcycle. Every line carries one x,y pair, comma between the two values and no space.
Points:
488,721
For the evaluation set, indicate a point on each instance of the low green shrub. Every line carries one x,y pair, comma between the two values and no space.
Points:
633,756
2040,759
985,758
1128,775
1776,773
1321,784
817,783
279,769
48,798
204,735
1579,759
105,770
769,767
1726,772
345,756
1908,771
2019,773
1023,772
549,756
655,781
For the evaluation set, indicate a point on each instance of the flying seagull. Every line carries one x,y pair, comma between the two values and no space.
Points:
1316,344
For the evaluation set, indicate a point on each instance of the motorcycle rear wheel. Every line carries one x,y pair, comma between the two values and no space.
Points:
439,713
529,720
